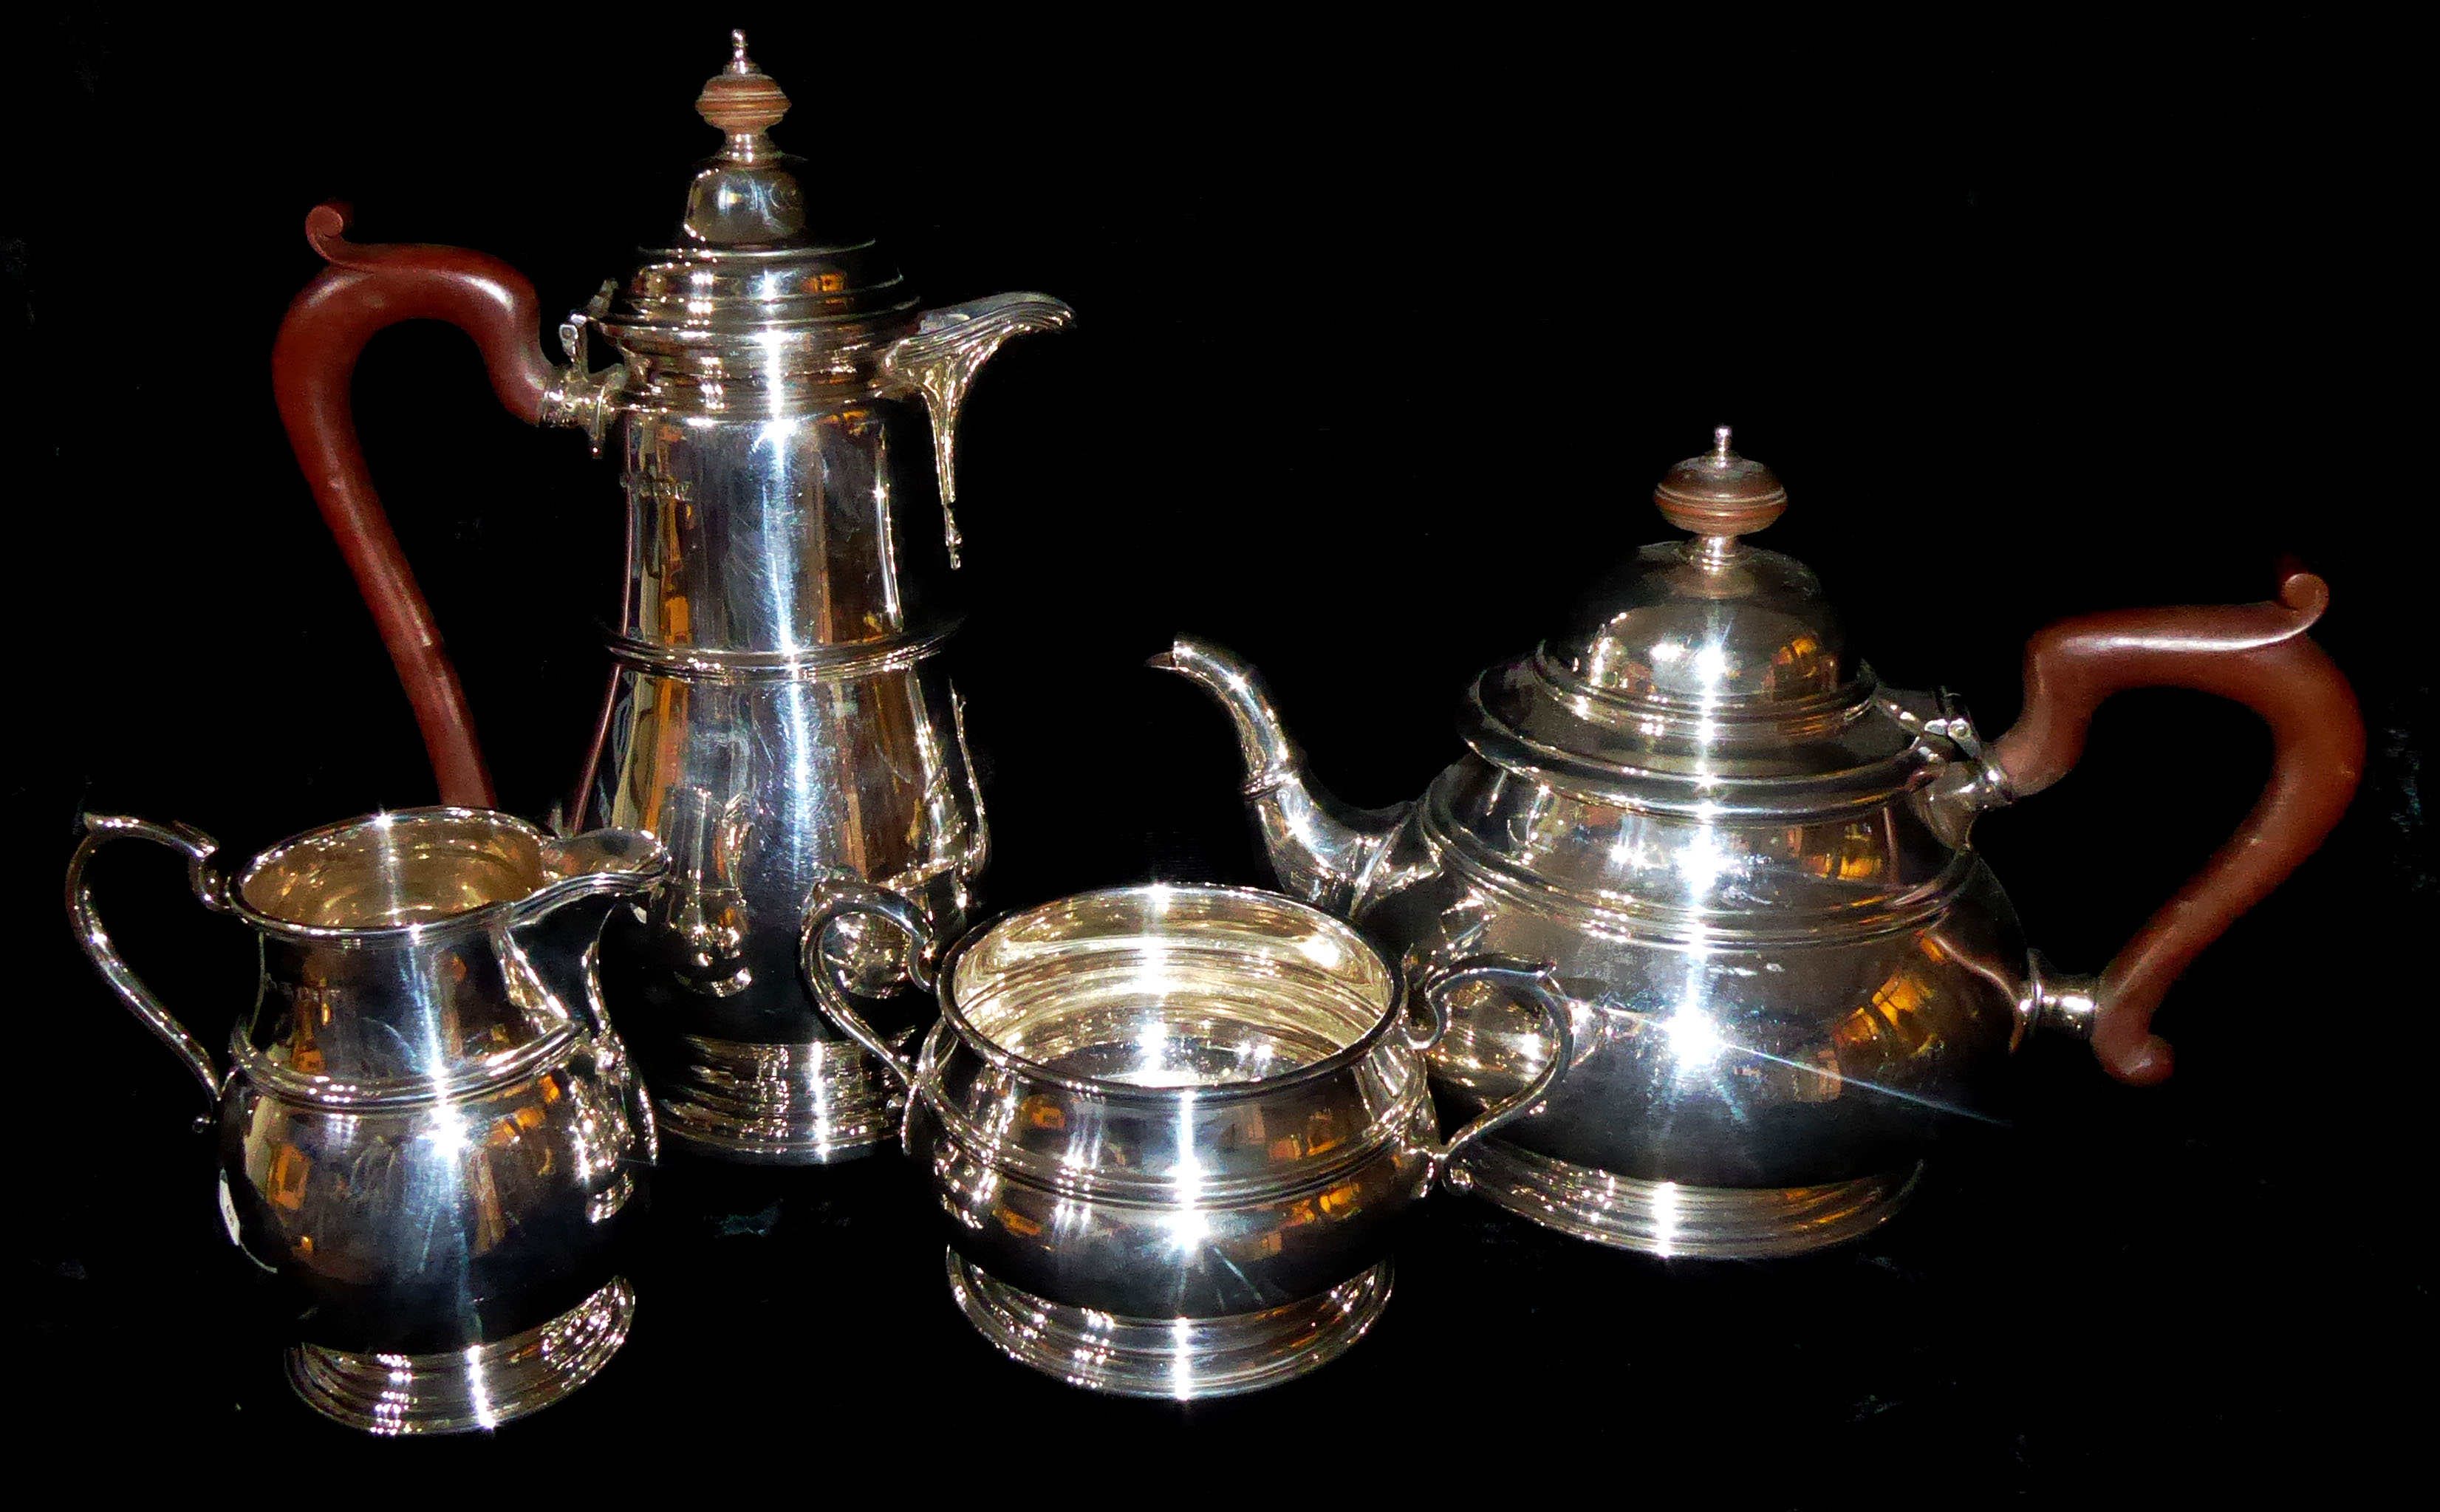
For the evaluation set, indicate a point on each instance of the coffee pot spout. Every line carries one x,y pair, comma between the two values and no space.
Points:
938,361
1322,850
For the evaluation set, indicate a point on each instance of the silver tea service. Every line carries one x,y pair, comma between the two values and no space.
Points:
1695,928
1171,1130
428,1131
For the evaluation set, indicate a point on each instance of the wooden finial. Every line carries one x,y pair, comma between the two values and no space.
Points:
741,100
1719,494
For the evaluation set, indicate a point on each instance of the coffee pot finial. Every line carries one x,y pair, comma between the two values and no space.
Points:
742,100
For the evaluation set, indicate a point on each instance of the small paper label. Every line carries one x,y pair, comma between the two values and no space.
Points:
228,1221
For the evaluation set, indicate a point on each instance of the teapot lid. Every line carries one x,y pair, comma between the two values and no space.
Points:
1706,675
749,259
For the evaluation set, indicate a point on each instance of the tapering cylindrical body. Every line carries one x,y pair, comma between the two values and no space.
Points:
779,714
786,420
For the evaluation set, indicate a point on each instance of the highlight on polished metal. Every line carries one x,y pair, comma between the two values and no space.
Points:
427,1130
786,417
1171,1130
1789,970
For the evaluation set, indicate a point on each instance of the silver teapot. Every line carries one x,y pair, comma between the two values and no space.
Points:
428,1131
1751,867
786,419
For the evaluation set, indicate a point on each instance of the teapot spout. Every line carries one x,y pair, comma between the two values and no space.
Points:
1321,849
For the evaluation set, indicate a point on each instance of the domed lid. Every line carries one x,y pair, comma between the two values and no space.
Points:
1701,673
750,260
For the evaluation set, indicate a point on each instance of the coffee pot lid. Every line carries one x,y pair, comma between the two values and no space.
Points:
1699,665
750,256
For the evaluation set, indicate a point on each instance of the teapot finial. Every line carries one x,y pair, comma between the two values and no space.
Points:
741,100
1720,495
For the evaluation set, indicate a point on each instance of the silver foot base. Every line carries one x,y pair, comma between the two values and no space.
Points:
1181,1359
472,1389
1667,1220
775,1105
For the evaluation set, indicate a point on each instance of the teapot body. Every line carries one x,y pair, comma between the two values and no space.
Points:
1775,1016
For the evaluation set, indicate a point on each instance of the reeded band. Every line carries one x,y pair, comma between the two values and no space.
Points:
811,664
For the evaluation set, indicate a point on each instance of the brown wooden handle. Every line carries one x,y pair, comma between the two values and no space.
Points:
366,290
2256,654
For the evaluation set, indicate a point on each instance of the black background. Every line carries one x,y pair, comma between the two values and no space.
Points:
1386,328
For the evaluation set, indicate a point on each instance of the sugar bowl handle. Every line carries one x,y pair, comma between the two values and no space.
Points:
2256,654
198,847
837,898
1534,979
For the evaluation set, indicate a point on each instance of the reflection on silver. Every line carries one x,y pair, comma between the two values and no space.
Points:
772,1105
787,421
1683,1223
477,1388
1172,1129
1749,863
1181,1359
428,1132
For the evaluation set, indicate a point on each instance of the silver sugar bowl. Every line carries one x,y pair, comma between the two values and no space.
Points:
1172,1130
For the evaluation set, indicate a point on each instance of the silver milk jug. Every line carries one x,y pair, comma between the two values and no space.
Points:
786,418
428,1131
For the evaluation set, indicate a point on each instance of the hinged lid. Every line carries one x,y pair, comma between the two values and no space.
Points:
1706,675
752,268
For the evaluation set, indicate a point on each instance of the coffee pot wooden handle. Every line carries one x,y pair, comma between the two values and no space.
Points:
366,290
2256,654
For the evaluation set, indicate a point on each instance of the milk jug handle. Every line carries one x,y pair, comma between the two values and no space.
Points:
100,830
2254,653
364,291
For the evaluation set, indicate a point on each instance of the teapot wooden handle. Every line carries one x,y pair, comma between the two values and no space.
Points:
2256,654
366,290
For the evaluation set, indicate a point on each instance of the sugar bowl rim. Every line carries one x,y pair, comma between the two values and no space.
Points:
1001,1058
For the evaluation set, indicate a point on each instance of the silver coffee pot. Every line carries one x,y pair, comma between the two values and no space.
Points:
1750,864
786,419
428,1131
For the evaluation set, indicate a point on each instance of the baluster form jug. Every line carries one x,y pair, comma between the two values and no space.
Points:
428,1131
787,419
